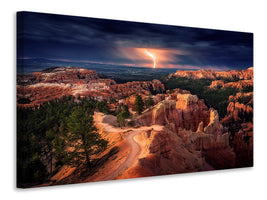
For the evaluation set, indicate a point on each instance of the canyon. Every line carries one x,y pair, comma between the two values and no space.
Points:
164,142
179,133
54,83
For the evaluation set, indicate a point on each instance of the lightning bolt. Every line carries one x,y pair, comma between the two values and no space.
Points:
152,56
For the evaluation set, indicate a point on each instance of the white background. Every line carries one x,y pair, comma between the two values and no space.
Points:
248,16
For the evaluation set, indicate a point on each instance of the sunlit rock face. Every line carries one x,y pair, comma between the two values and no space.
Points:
140,87
59,75
216,75
188,123
54,83
241,84
187,111
171,152
164,152
214,127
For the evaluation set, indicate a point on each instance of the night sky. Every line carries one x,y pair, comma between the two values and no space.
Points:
111,42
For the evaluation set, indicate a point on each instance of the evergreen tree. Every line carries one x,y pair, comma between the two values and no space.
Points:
121,119
49,137
102,106
149,102
138,104
83,136
59,146
125,109
43,135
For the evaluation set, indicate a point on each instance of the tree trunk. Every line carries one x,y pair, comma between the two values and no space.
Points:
51,166
51,159
88,164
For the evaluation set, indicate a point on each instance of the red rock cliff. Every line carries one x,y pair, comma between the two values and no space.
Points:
216,75
185,112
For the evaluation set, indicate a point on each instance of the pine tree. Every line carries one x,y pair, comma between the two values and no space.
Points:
102,106
123,114
83,136
49,137
121,119
149,102
138,104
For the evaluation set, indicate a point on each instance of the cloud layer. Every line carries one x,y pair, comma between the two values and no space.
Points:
119,42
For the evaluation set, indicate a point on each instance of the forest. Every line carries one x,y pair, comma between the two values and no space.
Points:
45,133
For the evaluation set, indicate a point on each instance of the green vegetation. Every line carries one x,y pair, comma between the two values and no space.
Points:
123,113
217,98
45,132
138,104
149,102
102,106
121,119
83,137
195,86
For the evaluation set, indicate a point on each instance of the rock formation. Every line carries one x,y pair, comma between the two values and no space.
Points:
214,127
241,97
185,112
238,112
216,75
239,121
59,75
243,145
236,85
39,87
170,152
198,130
141,87
163,152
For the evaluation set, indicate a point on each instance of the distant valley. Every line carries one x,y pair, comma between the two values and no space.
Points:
119,73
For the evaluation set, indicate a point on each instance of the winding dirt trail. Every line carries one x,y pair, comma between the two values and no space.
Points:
135,150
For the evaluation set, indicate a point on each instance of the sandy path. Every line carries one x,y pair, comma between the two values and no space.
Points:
135,150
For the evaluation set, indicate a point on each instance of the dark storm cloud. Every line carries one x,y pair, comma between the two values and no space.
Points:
77,38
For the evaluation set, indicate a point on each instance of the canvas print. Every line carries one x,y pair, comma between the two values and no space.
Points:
101,100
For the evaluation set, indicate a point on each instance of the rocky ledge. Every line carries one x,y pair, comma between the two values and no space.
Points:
233,75
52,83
